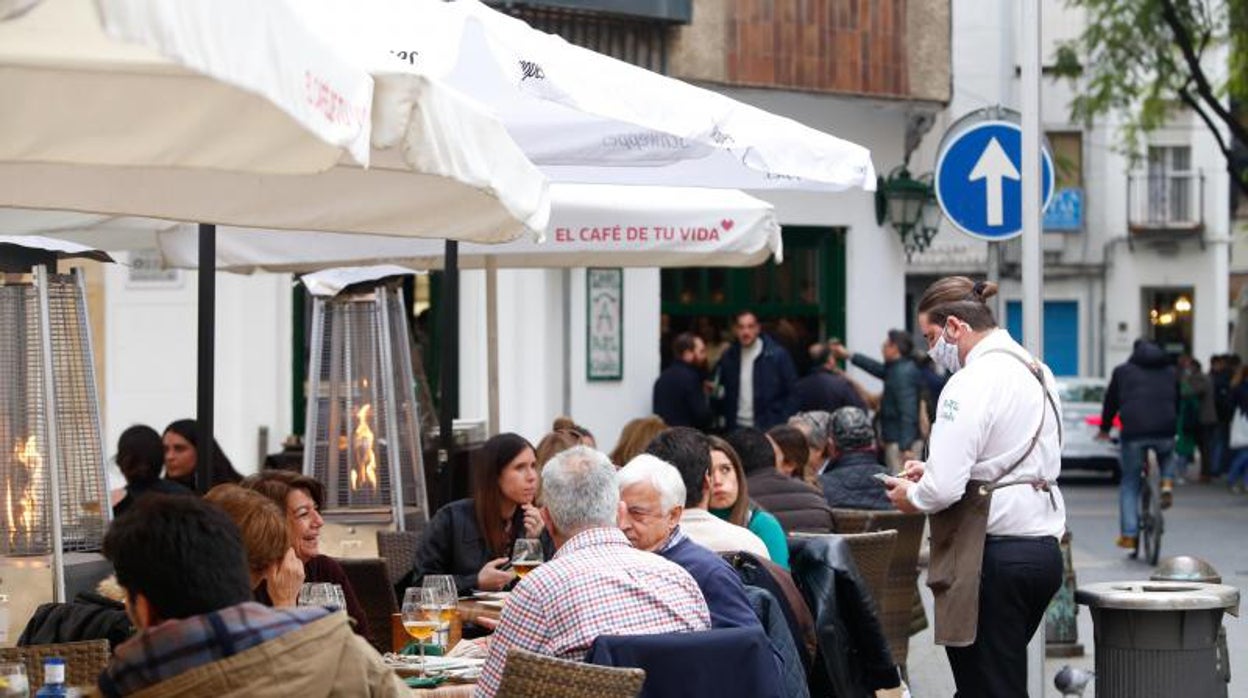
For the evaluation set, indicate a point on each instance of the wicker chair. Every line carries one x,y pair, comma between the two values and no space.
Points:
873,554
398,549
83,660
530,675
376,594
897,612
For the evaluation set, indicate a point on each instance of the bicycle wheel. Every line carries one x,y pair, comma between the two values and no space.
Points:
1150,519
1143,539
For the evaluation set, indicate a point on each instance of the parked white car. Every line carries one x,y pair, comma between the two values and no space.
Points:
1081,420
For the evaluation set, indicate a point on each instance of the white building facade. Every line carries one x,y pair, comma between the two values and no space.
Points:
1149,254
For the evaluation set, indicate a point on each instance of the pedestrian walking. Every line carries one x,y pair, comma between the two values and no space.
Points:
1144,393
989,483
756,377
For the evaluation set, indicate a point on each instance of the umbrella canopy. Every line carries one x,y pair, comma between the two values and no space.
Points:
92,124
581,116
591,225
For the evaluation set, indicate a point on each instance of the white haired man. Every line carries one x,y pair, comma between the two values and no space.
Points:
654,496
597,583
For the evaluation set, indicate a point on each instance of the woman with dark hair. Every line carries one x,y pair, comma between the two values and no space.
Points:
301,498
181,455
472,538
730,501
140,457
990,487
792,452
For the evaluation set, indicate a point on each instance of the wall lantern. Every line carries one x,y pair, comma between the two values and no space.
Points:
909,205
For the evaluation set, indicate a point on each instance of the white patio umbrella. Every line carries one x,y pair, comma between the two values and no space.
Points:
91,124
590,225
580,115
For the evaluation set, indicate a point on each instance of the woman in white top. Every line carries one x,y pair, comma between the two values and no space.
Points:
989,483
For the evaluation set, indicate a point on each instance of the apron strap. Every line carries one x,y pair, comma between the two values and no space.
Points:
1039,484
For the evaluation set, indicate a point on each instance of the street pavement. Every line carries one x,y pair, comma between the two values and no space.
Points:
1206,521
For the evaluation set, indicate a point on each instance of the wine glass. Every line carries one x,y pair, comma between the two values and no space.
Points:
420,617
446,595
526,554
13,681
315,594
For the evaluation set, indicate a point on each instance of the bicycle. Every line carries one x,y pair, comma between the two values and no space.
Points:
1152,522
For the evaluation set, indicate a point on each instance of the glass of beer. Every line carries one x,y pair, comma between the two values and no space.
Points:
525,555
447,596
420,618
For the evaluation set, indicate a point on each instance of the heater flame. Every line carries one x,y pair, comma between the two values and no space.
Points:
365,471
27,453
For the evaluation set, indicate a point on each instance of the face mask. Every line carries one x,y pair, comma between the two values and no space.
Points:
945,354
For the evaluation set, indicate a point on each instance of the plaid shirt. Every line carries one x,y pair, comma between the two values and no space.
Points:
597,584
178,646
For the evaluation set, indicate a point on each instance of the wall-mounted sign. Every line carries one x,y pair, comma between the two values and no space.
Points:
147,270
604,332
1065,213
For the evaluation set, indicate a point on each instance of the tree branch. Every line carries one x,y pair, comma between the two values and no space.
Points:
1203,88
1238,178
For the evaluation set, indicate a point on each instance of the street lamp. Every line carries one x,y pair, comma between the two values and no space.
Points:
909,205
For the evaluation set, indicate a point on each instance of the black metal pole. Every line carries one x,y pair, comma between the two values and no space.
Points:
448,319
205,386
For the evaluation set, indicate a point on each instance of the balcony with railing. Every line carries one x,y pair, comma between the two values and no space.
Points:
1166,207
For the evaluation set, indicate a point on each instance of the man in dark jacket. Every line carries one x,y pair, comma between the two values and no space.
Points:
899,406
849,482
797,505
679,394
756,375
825,388
1144,393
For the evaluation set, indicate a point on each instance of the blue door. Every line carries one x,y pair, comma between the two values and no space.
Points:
1061,333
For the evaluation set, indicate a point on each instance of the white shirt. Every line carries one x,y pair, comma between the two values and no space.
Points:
745,397
987,415
710,531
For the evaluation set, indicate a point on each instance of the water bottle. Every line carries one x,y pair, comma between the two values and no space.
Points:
53,678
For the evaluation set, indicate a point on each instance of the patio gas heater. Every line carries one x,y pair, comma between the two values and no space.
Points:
363,429
54,505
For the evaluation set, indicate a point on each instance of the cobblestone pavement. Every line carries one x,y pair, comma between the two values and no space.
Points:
1206,521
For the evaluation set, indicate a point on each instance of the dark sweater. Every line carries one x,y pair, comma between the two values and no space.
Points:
797,505
135,490
849,482
1144,391
324,568
823,390
724,592
679,398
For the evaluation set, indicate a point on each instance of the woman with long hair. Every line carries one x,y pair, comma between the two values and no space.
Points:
471,539
181,455
730,501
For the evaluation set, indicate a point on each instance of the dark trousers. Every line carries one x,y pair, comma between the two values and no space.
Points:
1020,576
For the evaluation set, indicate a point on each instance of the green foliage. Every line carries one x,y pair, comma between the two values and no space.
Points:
1140,60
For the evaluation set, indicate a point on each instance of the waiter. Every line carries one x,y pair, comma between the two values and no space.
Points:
990,486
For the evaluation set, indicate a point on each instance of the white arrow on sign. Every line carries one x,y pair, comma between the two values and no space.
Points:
992,167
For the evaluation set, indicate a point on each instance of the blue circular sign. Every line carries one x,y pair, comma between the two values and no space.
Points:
978,181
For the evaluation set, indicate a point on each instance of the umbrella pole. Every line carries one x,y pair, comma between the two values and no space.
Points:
204,393
449,365
491,338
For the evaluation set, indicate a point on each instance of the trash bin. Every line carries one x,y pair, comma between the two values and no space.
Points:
1158,638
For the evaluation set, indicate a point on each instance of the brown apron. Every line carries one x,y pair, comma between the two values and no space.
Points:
959,533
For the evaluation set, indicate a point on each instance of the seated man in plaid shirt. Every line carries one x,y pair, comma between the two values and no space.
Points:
597,583
188,591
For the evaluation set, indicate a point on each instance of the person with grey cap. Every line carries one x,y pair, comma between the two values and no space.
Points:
899,405
849,481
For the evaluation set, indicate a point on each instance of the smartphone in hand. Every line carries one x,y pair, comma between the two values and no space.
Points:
882,478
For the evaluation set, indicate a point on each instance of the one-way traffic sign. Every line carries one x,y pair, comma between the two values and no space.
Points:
978,183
